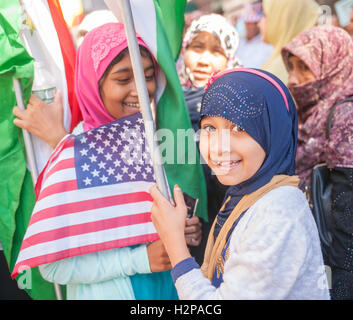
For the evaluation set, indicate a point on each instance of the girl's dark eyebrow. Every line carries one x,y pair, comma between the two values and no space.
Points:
130,69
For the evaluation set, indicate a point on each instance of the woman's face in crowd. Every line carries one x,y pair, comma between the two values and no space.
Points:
118,90
299,72
203,56
232,154
262,27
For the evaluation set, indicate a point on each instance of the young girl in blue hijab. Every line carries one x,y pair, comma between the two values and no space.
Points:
264,242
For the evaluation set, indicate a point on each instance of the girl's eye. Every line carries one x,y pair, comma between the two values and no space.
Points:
123,80
237,129
208,128
218,51
151,77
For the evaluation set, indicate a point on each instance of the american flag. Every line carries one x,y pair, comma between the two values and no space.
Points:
94,196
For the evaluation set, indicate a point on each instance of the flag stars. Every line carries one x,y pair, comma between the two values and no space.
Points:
132,176
101,165
106,143
110,171
117,163
108,156
119,177
84,152
100,150
93,158
83,139
92,145
114,148
95,173
125,170
98,136
85,167
87,181
130,161
104,179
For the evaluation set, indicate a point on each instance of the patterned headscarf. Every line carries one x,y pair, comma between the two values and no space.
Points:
219,27
99,47
284,21
328,52
259,103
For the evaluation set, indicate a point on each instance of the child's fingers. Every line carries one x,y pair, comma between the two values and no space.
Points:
18,112
158,198
19,123
57,97
192,221
33,99
178,196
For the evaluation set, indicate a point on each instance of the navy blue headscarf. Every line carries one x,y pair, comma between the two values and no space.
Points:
259,103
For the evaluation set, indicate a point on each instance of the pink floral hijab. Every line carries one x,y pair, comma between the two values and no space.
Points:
99,47
328,52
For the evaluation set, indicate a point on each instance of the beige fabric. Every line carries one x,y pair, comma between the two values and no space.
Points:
214,249
285,19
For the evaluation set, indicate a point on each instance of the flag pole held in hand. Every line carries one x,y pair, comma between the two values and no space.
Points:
143,96
30,155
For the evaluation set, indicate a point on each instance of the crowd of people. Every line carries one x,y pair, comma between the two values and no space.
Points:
272,89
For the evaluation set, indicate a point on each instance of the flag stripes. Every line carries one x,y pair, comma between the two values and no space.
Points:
70,220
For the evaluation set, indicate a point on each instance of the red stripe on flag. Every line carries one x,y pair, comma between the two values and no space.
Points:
64,144
62,165
59,187
83,228
91,204
48,258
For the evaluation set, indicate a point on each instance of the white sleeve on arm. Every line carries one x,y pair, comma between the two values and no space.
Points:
267,254
98,266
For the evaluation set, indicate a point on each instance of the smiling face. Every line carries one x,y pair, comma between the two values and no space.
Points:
232,154
118,89
299,72
203,56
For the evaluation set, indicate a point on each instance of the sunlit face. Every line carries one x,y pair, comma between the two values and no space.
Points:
262,26
252,30
118,89
232,154
299,72
203,56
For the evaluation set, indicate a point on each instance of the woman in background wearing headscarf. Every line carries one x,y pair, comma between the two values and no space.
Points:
253,51
209,45
320,65
282,21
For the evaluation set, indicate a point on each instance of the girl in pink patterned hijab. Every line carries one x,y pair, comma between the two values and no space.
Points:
95,58
326,54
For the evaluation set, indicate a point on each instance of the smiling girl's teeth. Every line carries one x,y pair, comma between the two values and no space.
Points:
225,163
131,105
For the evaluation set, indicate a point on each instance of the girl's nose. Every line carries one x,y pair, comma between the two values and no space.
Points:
133,89
205,57
292,78
220,143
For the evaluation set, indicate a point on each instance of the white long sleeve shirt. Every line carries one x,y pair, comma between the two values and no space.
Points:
274,254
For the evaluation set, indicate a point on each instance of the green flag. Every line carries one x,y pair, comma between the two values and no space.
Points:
160,24
17,196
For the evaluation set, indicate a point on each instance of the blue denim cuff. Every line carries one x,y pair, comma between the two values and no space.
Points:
183,267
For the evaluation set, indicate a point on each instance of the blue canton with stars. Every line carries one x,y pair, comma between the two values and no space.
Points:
113,153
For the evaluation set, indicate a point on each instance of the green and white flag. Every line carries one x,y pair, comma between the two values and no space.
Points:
160,24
